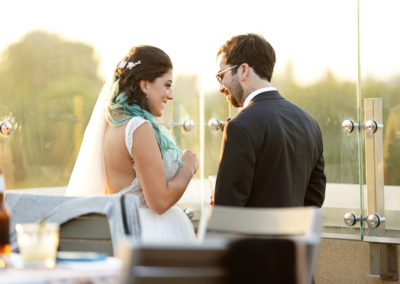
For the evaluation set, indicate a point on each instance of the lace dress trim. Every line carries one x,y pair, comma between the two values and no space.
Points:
134,187
130,127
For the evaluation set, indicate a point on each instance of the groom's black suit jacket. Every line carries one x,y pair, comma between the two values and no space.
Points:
271,156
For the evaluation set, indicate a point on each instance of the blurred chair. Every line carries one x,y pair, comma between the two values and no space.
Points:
89,232
277,245
239,245
93,223
145,263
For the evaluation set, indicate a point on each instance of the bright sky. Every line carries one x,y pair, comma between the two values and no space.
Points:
315,35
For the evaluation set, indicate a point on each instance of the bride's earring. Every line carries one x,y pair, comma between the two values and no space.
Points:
143,86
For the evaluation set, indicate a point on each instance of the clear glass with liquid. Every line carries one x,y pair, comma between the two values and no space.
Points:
38,243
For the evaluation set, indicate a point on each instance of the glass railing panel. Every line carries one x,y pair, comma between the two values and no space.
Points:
381,79
48,86
49,82
182,118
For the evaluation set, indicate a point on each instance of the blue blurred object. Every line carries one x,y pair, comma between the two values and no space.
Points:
80,256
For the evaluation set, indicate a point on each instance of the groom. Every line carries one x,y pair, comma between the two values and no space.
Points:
272,153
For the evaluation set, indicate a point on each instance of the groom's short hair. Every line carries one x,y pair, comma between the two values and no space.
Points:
252,49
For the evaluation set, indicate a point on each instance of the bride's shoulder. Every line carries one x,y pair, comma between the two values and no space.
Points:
130,127
134,123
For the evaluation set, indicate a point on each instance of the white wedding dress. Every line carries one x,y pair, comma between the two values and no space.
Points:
173,225
88,177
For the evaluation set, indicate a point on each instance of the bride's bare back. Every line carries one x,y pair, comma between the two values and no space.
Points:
159,193
118,163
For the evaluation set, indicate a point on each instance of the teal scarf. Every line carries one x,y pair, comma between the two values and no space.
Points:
165,140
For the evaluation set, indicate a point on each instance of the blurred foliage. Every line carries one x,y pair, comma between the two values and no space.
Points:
43,76
330,101
39,76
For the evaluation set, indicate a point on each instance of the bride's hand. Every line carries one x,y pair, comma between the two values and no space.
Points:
189,159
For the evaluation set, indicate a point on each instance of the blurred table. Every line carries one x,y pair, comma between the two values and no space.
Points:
71,272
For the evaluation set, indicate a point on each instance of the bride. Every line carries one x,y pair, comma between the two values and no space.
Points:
125,150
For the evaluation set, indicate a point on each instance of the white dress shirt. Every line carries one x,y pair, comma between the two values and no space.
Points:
255,93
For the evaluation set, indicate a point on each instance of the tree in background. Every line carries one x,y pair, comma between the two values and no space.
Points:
49,85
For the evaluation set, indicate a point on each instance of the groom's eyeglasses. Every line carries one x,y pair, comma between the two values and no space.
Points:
220,74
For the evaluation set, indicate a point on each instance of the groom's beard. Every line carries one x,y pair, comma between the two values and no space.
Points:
235,93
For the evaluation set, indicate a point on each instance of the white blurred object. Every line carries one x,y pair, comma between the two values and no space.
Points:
2,182
38,243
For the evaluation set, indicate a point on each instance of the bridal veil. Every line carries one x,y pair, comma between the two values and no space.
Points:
88,176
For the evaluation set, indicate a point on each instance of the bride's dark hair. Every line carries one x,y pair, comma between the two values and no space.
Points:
153,64
141,63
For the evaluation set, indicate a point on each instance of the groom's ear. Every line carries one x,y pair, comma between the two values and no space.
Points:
143,85
244,71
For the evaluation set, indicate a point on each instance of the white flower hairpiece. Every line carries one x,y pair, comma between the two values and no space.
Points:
128,64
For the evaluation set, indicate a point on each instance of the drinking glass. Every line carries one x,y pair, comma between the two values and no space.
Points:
38,243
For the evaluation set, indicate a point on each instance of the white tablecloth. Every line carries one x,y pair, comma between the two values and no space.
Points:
71,272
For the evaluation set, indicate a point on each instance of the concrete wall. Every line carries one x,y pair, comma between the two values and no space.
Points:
345,261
